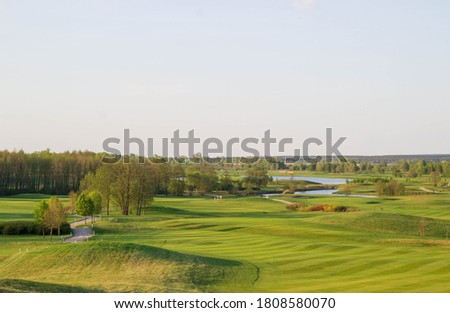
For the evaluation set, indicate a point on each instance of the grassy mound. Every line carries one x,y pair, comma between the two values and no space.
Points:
122,267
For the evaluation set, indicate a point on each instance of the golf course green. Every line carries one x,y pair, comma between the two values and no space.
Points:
240,244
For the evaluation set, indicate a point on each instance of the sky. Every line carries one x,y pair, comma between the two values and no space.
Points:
73,73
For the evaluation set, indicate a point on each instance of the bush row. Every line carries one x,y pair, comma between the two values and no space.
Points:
29,228
331,208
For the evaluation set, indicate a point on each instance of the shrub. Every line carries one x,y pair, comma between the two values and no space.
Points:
340,208
316,208
331,208
28,228
294,206
65,229
391,188
18,228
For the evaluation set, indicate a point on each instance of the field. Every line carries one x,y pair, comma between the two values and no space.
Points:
241,244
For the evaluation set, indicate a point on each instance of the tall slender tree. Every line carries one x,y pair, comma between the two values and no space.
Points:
40,213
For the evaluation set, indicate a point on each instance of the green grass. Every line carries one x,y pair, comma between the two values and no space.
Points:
124,267
245,244
20,207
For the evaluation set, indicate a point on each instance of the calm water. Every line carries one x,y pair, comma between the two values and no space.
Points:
319,180
316,192
330,192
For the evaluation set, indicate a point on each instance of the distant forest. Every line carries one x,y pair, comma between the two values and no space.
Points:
60,173
44,172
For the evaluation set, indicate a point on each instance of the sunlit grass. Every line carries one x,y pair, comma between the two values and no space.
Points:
249,244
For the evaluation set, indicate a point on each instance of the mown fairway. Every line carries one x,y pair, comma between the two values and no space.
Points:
241,244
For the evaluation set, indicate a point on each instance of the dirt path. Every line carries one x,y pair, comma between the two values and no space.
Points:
81,234
428,190
282,201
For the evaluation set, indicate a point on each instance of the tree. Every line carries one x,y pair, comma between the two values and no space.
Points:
39,215
103,182
404,166
54,216
87,183
446,168
226,182
176,186
292,184
435,178
177,180
351,166
201,177
256,176
346,189
121,189
143,187
130,185
395,188
85,205
72,201
420,167
390,188
97,200
380,187
412,173
396,172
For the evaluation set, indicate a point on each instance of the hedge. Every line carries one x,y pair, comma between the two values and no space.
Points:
29,228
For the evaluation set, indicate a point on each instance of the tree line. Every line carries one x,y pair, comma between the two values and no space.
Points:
131,185
402,168
45,171
59,173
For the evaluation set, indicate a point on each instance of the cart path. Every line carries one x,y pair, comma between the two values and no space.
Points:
428,190
282,201
81,234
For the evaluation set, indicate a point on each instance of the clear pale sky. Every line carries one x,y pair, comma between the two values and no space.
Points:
75,72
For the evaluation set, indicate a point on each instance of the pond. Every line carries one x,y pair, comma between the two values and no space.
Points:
330,192
318,180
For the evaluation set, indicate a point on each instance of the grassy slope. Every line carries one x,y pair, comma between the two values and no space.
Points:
305,252
249,244
124,267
